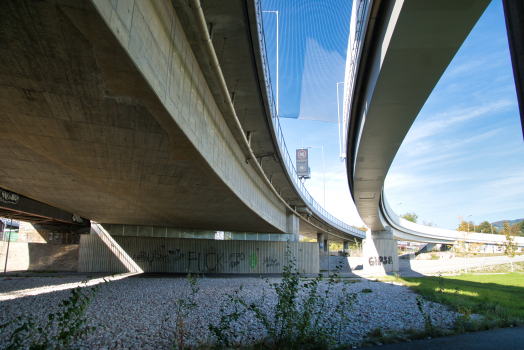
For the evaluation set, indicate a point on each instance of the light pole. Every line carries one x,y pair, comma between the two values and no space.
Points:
276,12
8,241
323,172
339,135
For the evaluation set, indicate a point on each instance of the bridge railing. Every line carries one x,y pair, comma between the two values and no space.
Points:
280,136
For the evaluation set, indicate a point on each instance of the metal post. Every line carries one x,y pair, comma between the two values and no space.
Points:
339,135
278,71
324,176
8,242
278,110
323,171
329,258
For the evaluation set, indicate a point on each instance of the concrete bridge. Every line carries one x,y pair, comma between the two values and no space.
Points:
398,50
123,113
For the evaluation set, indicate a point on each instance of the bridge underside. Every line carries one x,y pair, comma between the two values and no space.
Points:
84,131
408,48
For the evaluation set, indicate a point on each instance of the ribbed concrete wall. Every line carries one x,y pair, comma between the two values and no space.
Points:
154,254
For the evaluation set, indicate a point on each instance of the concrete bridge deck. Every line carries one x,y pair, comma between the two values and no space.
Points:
110,110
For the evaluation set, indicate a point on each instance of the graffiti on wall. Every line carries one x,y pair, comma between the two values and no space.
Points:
271,262
380,260
8,196
155,255
201,262
253,260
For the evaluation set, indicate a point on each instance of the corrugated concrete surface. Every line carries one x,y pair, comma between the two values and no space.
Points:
153,254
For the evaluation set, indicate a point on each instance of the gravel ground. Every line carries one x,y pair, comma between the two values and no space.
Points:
139,313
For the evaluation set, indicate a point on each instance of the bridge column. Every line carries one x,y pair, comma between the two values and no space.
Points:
346,247
320,240
380,252
292,226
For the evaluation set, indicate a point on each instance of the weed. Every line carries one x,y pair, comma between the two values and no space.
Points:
183,308
367,290
67,324
396,276
303,317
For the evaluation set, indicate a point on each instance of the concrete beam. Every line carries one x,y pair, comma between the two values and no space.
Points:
514,14
108,115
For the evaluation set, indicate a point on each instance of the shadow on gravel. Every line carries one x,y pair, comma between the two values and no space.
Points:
14,281
500,339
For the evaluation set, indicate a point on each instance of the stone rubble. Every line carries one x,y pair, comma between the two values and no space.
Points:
140,313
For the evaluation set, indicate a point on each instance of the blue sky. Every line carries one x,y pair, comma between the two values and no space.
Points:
464,155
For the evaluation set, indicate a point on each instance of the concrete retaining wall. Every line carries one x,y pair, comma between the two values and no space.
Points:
39,256
154,254
334,261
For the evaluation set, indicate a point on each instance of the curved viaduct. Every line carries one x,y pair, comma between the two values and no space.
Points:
123,112
398,50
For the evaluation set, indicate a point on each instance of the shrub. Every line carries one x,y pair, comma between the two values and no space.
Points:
304,316
67,324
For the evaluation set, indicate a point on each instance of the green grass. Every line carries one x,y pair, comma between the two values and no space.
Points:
504,268
496,297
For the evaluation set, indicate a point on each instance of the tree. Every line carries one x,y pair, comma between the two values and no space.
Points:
515,229
361,228
335,247
522,228
462,246
485,227
430,224
509,245
410,217
468,226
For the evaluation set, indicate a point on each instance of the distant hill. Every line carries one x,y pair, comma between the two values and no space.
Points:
500,224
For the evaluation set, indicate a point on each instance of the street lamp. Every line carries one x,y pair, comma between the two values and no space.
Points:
323,172
276,12
8,240
339,135
468,223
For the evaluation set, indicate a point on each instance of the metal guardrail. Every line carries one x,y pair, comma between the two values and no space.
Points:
280,136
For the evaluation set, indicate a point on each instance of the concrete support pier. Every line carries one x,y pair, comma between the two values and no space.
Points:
320,240
293,227
346,247
380,252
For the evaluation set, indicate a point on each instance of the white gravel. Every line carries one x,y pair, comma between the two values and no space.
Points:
139,313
